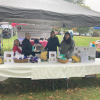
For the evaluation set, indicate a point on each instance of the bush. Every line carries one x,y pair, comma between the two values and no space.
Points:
95,34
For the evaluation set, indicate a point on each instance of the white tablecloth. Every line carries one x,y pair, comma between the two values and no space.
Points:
3,78
46,70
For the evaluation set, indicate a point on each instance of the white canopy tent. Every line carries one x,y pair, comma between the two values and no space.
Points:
48,12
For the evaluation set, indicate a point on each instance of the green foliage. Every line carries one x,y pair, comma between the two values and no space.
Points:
56,29
76,1
79,2
83,29
59,29
84,6
95,34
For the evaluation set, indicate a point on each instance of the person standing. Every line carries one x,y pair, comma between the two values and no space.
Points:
67,45
71,35
27,46
53,42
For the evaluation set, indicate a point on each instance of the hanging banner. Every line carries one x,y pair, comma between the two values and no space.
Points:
35,31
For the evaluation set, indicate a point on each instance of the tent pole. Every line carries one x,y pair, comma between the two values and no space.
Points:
12,37
1,41
91,38
8,37
61,34
2,37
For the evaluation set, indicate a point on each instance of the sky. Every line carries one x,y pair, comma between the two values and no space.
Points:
93,4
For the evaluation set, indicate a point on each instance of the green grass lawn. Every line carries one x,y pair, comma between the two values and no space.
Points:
81,40
79,88
7,44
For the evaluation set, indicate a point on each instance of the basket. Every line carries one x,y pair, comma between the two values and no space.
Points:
63,61
20,60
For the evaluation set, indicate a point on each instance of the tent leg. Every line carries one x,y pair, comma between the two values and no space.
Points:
46,82
66,83
53,84
30,82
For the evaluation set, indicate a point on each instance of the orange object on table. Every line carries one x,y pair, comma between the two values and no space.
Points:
93,42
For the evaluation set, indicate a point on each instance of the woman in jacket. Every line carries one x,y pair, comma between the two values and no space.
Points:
67,45
17,49
53,42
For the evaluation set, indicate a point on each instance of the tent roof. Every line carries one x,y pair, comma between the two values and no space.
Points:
58,13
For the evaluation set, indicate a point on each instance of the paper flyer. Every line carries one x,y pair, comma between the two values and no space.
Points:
84,56
87,54
52,56
8,57
92,54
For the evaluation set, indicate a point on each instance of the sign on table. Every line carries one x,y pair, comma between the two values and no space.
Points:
8,57
52,56
86,54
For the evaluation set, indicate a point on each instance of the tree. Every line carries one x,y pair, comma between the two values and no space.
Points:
74,29
83,5
83,29
79,2
76,1
95,34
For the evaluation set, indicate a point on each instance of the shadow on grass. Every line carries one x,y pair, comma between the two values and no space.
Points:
21,86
